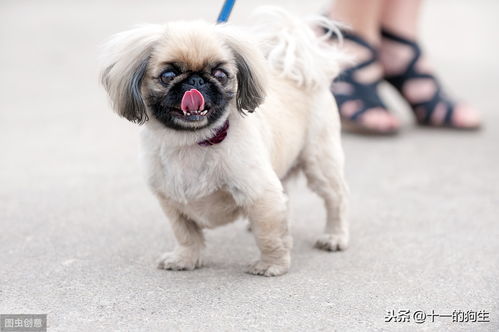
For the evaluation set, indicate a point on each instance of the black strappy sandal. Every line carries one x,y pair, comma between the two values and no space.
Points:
422,110
366,94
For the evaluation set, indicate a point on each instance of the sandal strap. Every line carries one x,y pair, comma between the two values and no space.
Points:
366,93
360,41
357,40
411,73
430,106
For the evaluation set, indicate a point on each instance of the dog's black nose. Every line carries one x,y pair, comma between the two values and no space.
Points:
196,81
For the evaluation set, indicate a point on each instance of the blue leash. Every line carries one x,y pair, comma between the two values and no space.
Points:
226,10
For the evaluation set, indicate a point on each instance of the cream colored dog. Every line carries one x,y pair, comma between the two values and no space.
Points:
209,159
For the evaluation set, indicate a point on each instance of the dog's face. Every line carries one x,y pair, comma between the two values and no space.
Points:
190,60
186,75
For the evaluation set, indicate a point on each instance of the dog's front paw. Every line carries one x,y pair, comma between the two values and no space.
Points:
333,242
268,269
176,262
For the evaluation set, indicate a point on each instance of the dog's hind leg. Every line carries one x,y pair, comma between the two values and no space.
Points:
323,167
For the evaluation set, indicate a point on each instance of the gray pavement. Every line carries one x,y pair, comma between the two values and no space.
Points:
80,233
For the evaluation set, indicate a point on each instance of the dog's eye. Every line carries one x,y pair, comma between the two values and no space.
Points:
220,75
167,76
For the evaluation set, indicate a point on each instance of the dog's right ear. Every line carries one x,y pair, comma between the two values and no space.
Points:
124,63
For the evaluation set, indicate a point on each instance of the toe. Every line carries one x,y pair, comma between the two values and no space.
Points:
466,116
379,120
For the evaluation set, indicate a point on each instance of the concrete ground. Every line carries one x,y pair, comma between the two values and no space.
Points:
80,233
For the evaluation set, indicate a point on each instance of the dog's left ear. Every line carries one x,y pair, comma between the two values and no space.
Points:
251,72
125,58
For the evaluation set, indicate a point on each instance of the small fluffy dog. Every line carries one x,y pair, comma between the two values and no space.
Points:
227,120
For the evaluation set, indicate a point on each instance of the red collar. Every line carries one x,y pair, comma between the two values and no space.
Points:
218,137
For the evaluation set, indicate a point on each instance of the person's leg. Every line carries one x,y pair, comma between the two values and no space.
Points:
401,17
363,16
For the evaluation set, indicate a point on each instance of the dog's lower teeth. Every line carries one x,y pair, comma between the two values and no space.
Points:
197,113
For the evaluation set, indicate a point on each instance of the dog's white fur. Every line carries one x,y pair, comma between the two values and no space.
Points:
296,128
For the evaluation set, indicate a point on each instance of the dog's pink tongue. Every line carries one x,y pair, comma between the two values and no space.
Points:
192,101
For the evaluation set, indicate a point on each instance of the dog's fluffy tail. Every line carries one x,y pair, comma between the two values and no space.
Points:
295,50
